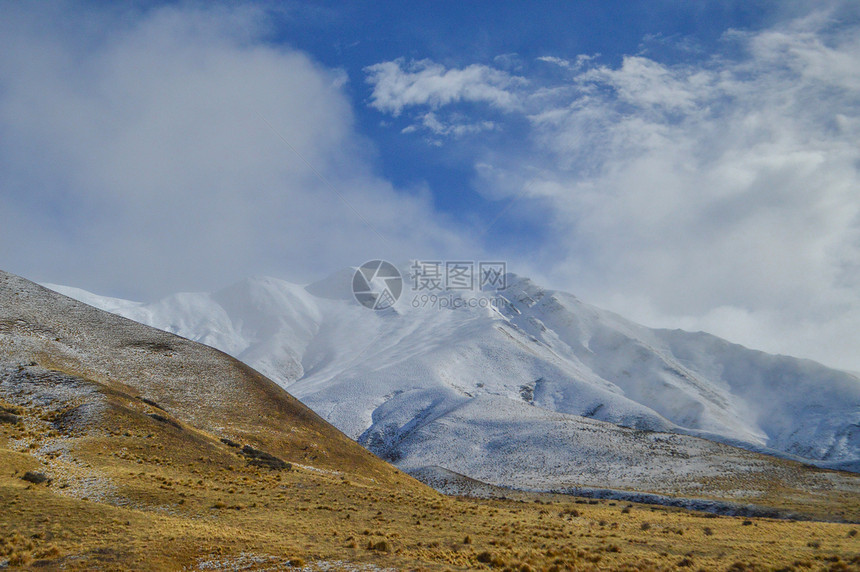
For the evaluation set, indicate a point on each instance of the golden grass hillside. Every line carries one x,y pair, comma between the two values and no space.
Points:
123,447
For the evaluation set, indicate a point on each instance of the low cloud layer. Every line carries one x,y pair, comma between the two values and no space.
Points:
720,194
145,151
177,148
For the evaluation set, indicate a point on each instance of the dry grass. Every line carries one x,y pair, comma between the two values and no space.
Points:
181,498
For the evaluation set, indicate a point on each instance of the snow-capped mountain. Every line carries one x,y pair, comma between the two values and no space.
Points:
536,389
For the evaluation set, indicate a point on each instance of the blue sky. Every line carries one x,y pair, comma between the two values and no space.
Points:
510,35
686,164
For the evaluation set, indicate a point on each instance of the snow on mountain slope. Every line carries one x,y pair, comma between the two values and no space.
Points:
492,391
553,451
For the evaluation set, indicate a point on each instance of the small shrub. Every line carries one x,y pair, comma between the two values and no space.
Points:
645,526
747,522
297,562
467,540
263,459
51,552
814,544
708,531
35,477
685,563
381,546
484,557
20,559
151,402
625,510
167,420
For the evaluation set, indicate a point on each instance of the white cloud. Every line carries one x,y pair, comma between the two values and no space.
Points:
136,156
399,84
725,194
720,195
646,83
578,63
560,62
456,128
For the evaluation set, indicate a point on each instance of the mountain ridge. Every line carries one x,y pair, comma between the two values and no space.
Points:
209,385
383,376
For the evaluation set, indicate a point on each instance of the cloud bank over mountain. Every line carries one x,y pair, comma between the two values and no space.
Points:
713,192
705,178
178,147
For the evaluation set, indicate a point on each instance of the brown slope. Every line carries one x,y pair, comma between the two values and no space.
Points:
195,384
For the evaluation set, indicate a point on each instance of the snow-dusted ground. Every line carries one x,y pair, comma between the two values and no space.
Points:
529,393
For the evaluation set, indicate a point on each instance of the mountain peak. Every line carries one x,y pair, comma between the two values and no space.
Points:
386,380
